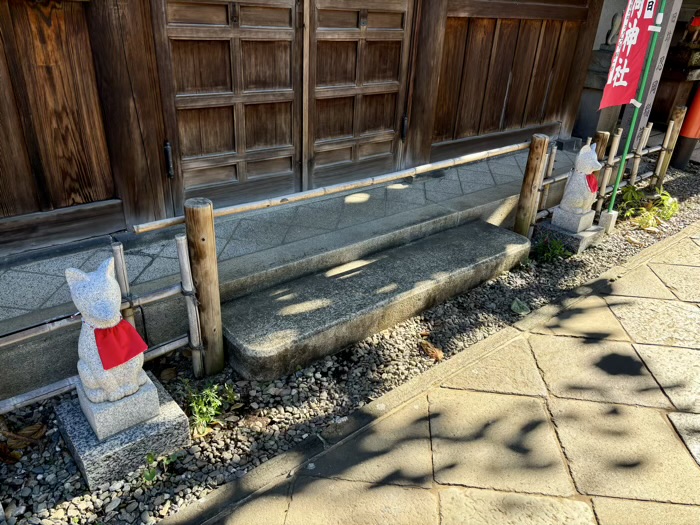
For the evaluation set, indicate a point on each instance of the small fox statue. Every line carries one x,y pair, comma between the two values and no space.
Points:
110,350
582,186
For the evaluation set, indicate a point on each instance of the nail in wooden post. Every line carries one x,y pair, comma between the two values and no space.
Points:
677,116
532,183
201,242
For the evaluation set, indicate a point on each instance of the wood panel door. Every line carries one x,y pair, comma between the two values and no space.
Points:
231,72
358,63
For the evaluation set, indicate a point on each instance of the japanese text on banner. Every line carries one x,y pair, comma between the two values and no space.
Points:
630,54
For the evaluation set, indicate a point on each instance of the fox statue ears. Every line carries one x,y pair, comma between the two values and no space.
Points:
587,148
75,276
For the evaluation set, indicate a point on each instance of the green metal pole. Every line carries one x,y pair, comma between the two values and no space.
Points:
635,115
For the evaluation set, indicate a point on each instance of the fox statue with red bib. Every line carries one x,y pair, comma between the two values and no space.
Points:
110,350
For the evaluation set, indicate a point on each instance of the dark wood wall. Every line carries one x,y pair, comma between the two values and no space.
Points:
81,132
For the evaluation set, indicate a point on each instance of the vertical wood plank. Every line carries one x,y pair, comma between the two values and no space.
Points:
498,82
450,78
561,69
19,193
582,55
60,81
525,54
532,182
429,42
475,74
541,73
127,82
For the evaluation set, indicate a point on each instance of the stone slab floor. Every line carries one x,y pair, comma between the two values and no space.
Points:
588,415
28,286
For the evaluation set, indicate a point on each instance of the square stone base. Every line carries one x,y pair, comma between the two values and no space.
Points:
112,459
574,242
572,222
110,418
607,221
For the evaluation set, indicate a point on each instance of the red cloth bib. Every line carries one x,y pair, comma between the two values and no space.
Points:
592,183
118,344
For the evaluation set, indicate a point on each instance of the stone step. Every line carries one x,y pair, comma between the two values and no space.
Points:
272,332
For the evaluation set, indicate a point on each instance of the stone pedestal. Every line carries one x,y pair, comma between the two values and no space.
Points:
112,459
607,221
572,222
574,242
110,418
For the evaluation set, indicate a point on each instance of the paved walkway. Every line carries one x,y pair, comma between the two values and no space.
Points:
585,414
31,291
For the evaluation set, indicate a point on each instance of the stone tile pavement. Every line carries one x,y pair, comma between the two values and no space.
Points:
585,414
40,285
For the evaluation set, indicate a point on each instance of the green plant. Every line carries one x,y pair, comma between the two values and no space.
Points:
205,407
157,464
647,211
550,250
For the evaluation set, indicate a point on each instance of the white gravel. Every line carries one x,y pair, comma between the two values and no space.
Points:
45,487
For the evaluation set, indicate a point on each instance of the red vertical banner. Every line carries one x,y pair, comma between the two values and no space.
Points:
630,54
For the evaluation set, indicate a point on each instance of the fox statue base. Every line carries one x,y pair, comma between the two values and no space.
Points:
110,418
572,222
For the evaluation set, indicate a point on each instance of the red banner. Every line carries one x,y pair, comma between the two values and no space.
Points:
630,53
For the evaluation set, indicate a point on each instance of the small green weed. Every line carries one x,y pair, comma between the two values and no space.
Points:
647,211
207,405
551,250
156,465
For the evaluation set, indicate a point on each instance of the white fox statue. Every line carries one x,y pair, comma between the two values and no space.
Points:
110,350
582,186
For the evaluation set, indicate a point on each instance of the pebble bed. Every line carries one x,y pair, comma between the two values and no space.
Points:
46,488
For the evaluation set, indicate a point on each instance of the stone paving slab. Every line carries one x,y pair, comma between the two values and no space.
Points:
495,441
460,506
626,512
684,281
589,317
269,508
378,455
640,282
688,427
336,502
684,252
510,370
596,370
677,370
653,321
627,452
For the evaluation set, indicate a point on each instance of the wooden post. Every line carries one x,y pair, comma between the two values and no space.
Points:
607,172
122,277
601,143
551,159
195,330
532,183
677,116
201,242
638,152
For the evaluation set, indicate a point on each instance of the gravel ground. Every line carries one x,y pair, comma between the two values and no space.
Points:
46,488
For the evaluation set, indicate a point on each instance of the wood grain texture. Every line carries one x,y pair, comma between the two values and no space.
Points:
499,80
450,78
523,61
542,72
19,194
429,42
126,70
475,76
561,69
61,89
530,191
201,244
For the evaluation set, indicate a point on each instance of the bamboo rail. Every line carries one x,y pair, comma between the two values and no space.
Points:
338,188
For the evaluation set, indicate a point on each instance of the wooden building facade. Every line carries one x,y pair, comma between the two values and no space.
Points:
113,112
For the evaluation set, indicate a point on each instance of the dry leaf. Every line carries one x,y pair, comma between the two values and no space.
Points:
9,456
432,351
201,432
28,435
168,374
425,333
